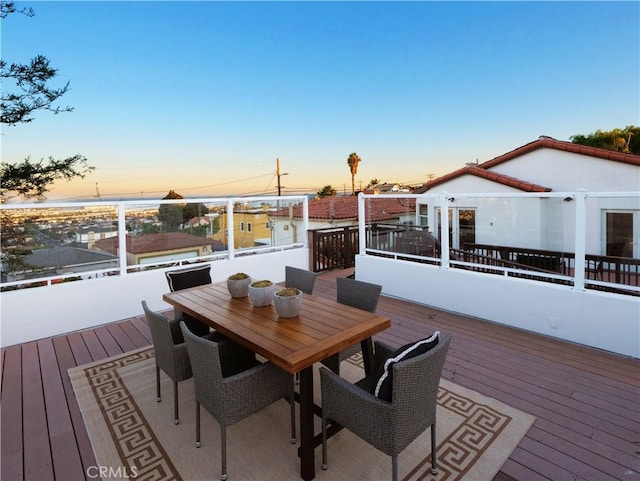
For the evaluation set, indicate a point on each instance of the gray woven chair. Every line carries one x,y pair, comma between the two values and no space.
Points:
300,279
170,353
231,391
388,426
185,279
360,294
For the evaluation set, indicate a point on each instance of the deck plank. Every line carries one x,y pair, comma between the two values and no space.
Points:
94,346
65,362
143,328
121,337
134,335
38,464
11,441
64,450
108,342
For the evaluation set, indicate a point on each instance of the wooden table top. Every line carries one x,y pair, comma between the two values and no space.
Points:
323,327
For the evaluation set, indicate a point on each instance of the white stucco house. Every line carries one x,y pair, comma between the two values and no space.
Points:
545,165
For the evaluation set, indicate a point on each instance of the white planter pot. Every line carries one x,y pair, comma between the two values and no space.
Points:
288,306
238,287
261,296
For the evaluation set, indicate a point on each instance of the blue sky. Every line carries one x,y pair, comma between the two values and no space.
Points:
181,95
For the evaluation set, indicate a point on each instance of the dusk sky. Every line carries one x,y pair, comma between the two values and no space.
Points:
202,97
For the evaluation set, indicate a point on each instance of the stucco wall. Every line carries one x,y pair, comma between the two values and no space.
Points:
567,171
602,320
30,314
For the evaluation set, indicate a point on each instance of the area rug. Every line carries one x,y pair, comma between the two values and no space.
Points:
134,437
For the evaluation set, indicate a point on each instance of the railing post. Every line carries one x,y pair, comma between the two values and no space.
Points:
122,238
230,236
362,235
305,217
581,238
444,230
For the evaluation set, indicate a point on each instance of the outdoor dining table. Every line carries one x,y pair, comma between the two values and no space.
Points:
322,328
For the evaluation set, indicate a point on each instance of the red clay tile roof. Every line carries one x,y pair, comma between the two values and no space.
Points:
484,174
480,170
346,207
163,241
551,143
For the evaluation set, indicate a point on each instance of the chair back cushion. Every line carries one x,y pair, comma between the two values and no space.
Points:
186,278
383,385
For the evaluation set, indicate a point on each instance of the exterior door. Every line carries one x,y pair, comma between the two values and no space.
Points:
622,233
462,227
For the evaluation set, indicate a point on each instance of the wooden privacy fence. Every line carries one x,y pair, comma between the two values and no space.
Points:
334,248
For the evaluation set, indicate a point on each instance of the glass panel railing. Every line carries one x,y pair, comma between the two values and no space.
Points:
612,244
56,244
48,243
578,239
171,232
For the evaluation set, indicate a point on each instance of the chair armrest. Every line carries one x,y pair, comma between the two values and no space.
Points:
260,379
343,401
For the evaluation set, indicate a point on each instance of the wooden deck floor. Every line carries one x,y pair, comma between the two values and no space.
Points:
586,401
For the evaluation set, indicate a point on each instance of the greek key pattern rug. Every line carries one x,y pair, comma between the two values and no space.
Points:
134,436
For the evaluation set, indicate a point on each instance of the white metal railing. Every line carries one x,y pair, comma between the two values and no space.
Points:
120,212
573,222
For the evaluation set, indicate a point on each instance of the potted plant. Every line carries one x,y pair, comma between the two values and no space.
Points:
261,293
288,301
238,284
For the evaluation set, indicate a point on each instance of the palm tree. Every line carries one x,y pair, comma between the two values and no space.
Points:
353,160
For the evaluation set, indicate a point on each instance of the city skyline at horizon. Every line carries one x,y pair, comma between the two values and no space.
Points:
203,97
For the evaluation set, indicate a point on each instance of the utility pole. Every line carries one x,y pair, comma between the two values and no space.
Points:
279,175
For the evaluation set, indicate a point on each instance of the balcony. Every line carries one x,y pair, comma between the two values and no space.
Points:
561,344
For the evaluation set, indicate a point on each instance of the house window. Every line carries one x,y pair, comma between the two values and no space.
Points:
268,225
248,226
423,214
241,226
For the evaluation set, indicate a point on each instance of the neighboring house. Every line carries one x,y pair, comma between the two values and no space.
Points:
197,222
89,234
63,260
545,165
339,211
160,247
251,228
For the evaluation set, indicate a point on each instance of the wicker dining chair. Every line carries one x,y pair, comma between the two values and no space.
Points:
360,294
231,391
299,278
170,353
389,426
185,279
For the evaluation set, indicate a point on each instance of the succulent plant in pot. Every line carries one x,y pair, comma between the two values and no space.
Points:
261,293
288,302
238,284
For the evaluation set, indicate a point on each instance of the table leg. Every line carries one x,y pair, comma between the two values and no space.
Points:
367,356
307,444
